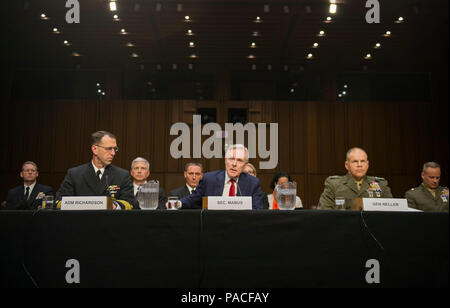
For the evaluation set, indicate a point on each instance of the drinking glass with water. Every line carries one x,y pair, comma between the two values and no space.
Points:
286,194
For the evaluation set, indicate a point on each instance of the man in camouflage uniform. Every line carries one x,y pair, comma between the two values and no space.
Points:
355,184
429,196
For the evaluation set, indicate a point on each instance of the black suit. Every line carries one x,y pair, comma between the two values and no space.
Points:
16,197
82,181
180,192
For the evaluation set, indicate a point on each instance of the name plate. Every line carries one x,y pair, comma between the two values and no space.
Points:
227,203
86,203
385,204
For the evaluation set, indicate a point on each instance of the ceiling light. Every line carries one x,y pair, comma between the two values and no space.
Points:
187,18
189,32
256,33
321,33
257,19
399,20
129,44
191,44
251,56
315,45
103,93
112,6
44,17
310,56
368,56
193,56
377,45
333,8
328,20
56,31
134,55
387,34
123,31
66,43
75,54
116,17
98,85
253,45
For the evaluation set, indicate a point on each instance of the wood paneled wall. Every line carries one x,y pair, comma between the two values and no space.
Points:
313,138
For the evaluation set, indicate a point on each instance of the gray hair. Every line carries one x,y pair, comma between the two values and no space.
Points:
138,159
97,136
430,164
354,149
29,163
193,164
237,146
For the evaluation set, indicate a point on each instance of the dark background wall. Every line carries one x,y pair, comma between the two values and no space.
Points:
399,135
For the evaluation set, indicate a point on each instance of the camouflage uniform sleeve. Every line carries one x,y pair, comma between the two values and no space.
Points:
326,201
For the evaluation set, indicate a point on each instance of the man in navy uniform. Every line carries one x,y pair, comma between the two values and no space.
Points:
99,177
29,195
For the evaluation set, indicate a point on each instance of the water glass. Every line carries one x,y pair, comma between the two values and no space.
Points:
172,203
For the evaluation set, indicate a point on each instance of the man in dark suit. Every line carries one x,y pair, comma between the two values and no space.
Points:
229,182
140,171
193,173
29,195
99,177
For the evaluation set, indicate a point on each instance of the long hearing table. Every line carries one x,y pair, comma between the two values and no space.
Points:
223,249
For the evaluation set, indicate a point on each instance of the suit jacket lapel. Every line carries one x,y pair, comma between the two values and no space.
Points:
350,183
243,185
220,178
33,193
92,180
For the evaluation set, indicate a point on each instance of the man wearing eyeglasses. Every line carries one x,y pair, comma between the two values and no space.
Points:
229,182
99,177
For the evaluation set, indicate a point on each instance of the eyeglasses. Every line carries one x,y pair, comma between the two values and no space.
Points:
237,160
109,149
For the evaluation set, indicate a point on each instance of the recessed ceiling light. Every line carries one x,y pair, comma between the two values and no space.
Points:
321,33
310,56
256,33
66,42
377,45
116,17
187,18
333,8
112,6
75,54
56,31
123,32
191,44
134,55
400,20
387,34
129,44
328,19
253,45
315,45
193,56
368,56
189,32
44,17
251,56
257,19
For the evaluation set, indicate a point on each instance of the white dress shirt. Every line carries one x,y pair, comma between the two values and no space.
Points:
227,185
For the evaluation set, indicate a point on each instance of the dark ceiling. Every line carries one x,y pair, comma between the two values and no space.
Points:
224,33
